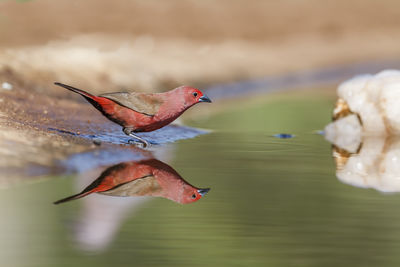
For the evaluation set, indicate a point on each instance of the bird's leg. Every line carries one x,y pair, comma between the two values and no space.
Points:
144,142
129,132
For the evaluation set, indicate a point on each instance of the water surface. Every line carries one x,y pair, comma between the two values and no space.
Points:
273,202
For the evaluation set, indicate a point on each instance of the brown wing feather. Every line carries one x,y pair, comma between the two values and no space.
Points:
147,104
140,187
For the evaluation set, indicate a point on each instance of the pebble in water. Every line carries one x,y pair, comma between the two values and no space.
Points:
283,135
97,141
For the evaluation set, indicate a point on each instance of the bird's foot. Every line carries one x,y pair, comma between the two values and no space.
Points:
138,141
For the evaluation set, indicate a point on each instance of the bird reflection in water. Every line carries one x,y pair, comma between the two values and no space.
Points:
101,216
149,177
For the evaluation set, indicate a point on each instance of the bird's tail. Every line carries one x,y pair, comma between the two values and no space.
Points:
77,196
76,90
100,103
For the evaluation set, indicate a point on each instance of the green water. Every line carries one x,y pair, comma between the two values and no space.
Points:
273,202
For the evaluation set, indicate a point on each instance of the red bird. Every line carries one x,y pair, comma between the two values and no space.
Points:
141,112
142,178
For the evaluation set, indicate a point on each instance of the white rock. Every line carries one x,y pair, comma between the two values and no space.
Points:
375,99
368,136
345,133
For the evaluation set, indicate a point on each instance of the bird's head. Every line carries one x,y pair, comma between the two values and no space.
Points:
192,96
192,194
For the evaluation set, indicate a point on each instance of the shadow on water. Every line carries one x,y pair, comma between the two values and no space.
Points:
114,135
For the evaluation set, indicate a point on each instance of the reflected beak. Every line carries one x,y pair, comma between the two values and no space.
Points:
204,191
205,98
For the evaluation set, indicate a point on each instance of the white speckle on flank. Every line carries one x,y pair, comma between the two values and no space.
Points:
6,86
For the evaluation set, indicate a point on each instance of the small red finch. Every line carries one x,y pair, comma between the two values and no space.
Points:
141,112
142,178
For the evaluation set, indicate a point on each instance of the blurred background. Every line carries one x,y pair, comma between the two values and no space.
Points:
270,67
153,45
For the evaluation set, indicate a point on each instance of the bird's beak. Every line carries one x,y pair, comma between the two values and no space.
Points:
205,98
204,191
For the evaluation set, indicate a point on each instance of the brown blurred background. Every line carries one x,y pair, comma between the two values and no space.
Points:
156,45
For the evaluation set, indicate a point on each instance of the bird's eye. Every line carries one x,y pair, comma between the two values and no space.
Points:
194,94
194,196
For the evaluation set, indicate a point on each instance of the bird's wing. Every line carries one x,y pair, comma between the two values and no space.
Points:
145,186
147,104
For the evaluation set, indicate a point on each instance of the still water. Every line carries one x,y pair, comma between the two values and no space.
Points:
272,201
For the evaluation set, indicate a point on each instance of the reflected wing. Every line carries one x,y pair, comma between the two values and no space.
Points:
147,104
145,186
